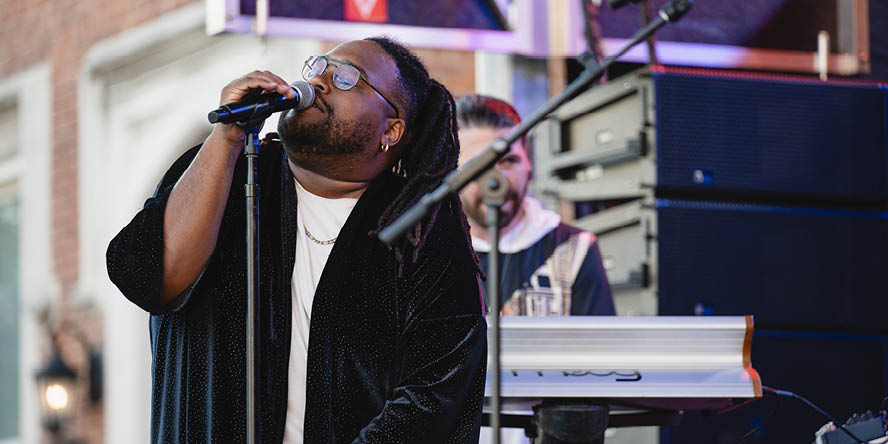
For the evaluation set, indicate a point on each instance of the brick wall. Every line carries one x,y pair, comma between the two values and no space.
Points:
79,332
61,32
454,69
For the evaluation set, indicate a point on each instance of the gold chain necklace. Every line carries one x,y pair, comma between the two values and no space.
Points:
318,241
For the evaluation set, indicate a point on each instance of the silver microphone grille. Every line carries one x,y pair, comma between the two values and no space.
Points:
306,94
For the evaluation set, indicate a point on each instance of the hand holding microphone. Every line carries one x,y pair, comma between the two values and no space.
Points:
241,104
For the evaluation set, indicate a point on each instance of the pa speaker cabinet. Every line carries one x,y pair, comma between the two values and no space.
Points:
709,135
790,267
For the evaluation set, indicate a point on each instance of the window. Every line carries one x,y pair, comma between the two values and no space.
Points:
9,314
9,276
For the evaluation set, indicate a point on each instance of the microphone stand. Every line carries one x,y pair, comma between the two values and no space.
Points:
486,160
259,111
493,191
251,193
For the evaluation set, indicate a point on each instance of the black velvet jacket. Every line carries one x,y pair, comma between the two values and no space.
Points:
390,360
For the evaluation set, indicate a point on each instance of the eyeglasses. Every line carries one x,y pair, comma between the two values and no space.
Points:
345,76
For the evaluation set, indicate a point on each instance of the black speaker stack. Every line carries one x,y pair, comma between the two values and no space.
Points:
759,194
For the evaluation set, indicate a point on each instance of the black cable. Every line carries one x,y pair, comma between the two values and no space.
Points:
591,40
647,9
787,394
762,424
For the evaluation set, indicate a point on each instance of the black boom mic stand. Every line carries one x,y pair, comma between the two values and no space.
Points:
493,184
250,116
251,193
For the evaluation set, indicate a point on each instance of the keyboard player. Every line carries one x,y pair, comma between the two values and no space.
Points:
547,268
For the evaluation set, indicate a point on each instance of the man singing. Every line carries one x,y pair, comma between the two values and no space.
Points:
359,343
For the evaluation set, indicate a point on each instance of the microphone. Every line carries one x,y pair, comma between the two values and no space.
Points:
260,106
673,10
670,12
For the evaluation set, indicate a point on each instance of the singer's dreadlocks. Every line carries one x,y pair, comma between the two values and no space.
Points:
431,150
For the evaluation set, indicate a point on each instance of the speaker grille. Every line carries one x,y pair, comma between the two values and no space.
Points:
771,137
790,267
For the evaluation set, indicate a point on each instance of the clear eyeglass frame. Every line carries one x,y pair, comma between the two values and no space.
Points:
345,76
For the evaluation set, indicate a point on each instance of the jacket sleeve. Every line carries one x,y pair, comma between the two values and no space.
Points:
443,362
591,292
135,256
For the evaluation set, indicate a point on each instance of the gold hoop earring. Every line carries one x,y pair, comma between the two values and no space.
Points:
384,148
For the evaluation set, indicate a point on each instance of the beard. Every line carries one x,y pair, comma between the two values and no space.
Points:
330,136
506,215
477,210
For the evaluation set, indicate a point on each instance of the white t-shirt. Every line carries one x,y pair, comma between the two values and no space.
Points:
323,218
